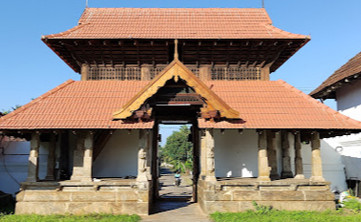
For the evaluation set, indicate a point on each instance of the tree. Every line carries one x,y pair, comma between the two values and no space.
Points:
178,150
10,110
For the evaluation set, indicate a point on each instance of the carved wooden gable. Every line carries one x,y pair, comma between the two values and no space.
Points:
176,71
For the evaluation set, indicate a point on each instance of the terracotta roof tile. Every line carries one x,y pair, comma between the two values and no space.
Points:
261,104
351,68
172,23
77,105
275,105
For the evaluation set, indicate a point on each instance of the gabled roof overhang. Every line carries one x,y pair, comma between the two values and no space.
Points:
176,70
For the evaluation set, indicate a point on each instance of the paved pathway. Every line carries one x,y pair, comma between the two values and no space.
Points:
169,190
175,211
171,208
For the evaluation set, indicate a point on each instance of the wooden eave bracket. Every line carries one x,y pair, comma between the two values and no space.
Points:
177,70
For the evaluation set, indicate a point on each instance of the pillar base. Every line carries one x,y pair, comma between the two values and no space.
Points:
210,178
263,178
286,174
275,176
142,178
300,176
317,178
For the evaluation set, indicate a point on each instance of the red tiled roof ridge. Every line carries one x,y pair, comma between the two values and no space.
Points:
250,16
319,104
35,101
341,73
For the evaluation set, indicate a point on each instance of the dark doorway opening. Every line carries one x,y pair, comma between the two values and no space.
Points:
175,104
165,167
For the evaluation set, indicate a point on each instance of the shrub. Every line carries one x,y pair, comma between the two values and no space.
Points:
353,204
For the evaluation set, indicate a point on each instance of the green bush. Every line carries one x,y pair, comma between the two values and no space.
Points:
353,204
261,209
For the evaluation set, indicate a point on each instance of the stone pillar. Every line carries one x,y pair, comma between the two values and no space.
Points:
84,72
51,158
298,157
210,162
83,157
34,158
263,168
272,155
142,156
286,159
205,73
145,72
203,155
316,158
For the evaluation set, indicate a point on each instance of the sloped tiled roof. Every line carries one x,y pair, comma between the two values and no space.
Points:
175,23
275,105
76,105
261,104
351,69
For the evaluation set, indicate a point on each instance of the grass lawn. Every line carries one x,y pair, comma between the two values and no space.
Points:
69,218
287,216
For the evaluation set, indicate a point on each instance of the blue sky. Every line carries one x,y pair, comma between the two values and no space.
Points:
29,68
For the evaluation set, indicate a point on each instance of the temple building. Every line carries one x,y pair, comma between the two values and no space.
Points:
344,85
141,67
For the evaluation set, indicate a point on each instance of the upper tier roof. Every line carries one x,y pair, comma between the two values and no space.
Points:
348,72
175,23
261,104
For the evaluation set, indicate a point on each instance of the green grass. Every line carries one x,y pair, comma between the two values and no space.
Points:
287,216
69,218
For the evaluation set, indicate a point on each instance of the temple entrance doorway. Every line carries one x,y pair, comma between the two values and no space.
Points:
175,156
176,147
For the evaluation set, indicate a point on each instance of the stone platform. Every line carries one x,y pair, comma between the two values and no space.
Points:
75,197
238,194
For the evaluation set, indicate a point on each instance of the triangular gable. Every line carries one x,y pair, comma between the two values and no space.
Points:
177,70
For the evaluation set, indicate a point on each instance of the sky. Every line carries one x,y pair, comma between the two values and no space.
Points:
28,68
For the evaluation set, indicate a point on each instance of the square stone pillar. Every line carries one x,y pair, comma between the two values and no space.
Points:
51,158
84,72
145,72
316,158
263,168
286,159
205,73
298,157
83,157
272,155
209,151
203,158
33,167
143,150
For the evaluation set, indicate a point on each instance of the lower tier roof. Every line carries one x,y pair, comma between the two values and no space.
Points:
91,104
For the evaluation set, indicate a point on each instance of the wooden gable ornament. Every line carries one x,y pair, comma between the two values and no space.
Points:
178,70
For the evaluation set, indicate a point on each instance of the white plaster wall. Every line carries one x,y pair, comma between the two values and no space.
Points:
236,154
349,100
14,164
332,166
119,158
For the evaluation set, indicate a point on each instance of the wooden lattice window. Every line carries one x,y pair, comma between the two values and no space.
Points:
194,69
235,73
155,71
114,73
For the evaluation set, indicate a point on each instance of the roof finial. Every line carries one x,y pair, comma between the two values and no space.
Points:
262,3
176,49
86,3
